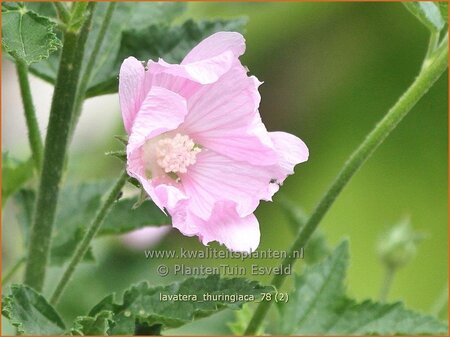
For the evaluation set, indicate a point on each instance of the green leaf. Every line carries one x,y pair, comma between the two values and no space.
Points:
15,174
124,218
443,7
93,326
317,248
143,305
428,13
26,35
76,209
46,9
319,307
126,15
31,313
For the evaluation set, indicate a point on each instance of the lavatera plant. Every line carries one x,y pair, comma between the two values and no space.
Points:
199,154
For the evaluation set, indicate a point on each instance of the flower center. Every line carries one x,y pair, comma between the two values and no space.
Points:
176,154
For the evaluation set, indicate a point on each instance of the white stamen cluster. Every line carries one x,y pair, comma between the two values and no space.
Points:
176,154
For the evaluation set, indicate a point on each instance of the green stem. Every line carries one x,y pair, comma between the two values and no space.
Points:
34,135
88,236
13,270
387,283
432,45
63,12
55,152
84,82
427,77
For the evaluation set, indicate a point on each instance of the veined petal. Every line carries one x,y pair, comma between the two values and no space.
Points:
291,151
215,45
162,110
164,193
203,71
131,90
239,234
215,177
224,117
226,226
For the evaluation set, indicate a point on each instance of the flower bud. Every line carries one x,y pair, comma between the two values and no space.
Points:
399,245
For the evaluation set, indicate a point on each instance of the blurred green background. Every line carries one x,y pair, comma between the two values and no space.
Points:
330,72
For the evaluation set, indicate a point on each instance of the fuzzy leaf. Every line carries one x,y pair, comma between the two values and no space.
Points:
92,326
46,9
126,15
142,306
124,218
26,35
428,13
319,306
76,209
15,174
31,313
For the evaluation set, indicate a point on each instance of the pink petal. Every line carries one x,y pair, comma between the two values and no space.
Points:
228,228
165,193
180,85
182,219
215,177
217,44
162,110
291,151
223,117
203,72
225,225
131,90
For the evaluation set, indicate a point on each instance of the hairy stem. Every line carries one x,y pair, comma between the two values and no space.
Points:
88,236
432,45
389,274
426,78
34,135
55,152
85,78
63,12
10,273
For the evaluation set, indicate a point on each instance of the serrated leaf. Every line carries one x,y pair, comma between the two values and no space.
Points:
31,313
142,304
46,9
92,326
124,217
369,318
126,15
316,289
319,306
15,174
77,207
317,248
428,13
26,35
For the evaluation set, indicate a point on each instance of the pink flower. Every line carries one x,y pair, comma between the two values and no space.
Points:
197,143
